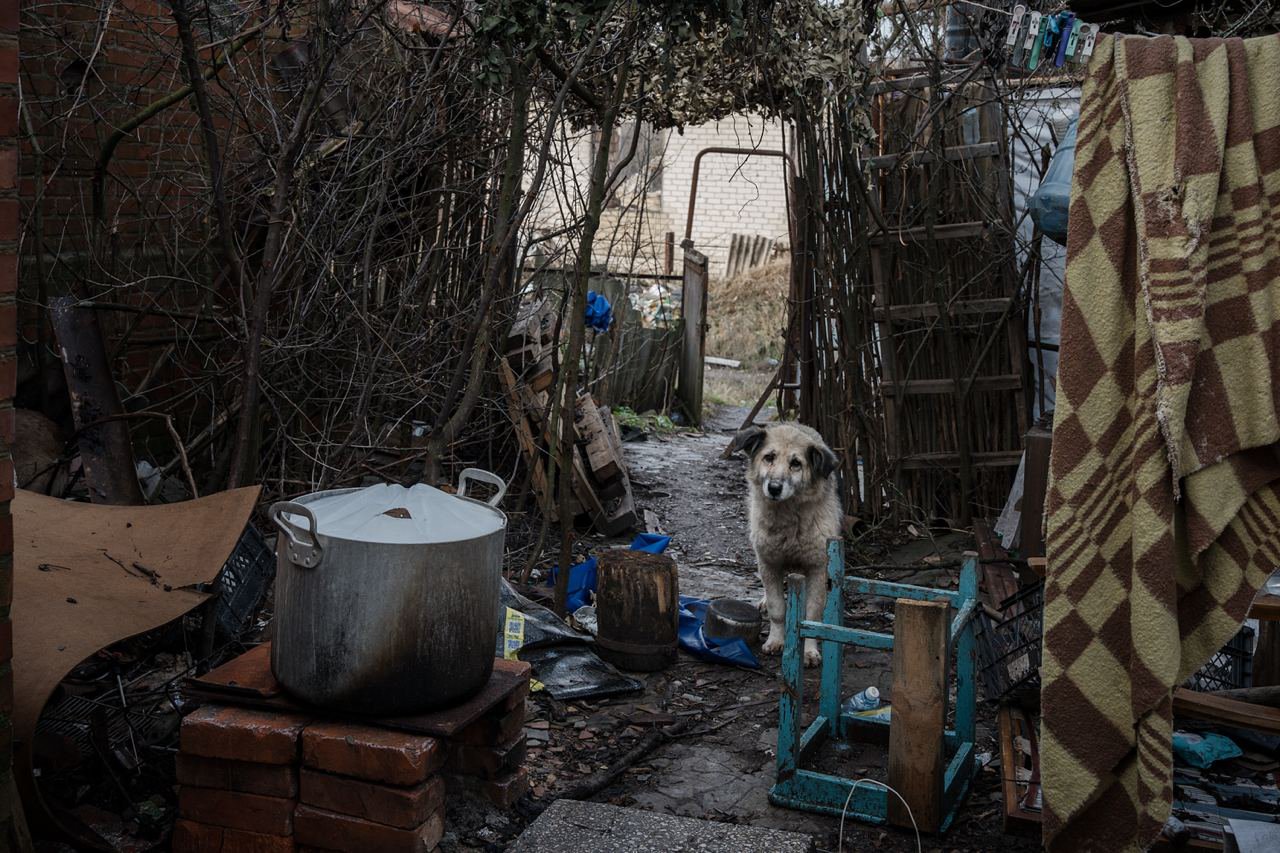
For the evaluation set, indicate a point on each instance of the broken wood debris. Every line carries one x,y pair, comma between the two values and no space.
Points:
601,486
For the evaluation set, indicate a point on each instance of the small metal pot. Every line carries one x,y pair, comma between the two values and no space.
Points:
387,598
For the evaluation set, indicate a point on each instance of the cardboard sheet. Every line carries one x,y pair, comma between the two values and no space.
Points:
88,575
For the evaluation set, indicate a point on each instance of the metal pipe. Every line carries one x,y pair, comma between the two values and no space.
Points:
697,165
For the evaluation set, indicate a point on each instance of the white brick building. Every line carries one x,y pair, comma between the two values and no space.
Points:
736,195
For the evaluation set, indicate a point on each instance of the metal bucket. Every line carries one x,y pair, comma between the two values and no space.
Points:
378,627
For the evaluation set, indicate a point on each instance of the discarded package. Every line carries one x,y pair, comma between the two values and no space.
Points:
1202,750
866,700
563,661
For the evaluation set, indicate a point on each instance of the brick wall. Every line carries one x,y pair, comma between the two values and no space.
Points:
8,341
88,68
736,195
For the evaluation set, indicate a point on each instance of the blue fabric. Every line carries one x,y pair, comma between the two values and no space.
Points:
693,611
582,583
651,543
1203,750
599,314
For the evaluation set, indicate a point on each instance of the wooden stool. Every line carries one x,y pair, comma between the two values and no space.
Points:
930,640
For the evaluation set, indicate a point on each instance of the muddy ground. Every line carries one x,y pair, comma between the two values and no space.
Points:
721,768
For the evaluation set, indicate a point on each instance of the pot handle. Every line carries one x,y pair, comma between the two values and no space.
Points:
300,552
494,480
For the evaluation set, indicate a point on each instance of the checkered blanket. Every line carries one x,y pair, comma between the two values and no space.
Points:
1164,508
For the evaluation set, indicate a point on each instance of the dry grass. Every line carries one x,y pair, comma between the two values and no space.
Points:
746,316
747,313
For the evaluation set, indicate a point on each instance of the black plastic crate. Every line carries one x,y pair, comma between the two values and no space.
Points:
244,581
1009,647
1230,668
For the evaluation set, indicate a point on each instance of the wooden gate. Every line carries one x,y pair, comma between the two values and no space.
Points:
694,308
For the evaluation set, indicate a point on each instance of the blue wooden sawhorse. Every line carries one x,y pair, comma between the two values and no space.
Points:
822,792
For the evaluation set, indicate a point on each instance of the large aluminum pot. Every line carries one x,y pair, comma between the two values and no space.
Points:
387,597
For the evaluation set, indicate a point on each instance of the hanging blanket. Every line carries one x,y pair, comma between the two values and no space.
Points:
1164,509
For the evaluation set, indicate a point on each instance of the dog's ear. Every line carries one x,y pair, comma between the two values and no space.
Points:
822,460
748,441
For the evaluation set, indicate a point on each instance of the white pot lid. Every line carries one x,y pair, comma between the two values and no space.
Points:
392,514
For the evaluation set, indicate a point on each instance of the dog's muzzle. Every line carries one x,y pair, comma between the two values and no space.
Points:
773,490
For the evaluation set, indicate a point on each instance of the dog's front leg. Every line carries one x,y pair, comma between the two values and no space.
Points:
815,601
775,601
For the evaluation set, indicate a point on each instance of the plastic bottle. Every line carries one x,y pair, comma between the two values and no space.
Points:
1048,206
867,700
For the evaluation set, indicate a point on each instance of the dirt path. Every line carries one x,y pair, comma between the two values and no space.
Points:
698,498
723,767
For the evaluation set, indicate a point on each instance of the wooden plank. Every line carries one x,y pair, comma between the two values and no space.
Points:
1266,608
1005,382
611,426
916,81
587,496
920,157
542,376
980,459
534,403
694,308
524,437
716,361
929,310
1266,656
955,231
917,749
1215,709
999,582
602,462
1035,487
1019,815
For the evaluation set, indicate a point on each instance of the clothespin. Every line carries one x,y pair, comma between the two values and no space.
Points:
1086,46
1067,27
1015,26
1074,39
1033,22
1036,39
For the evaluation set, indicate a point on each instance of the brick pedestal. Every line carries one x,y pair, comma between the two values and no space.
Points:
260,781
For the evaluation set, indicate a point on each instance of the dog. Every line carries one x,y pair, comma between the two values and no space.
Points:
793,509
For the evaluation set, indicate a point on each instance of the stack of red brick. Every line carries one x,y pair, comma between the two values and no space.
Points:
264,781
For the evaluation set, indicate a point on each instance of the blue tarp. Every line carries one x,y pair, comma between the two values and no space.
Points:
693,611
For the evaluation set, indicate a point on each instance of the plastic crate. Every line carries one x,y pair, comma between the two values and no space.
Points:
1230,668
243,582
1009,647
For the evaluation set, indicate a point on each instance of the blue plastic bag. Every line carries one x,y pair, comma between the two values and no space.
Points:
599,314
650,543
582,583
693,611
